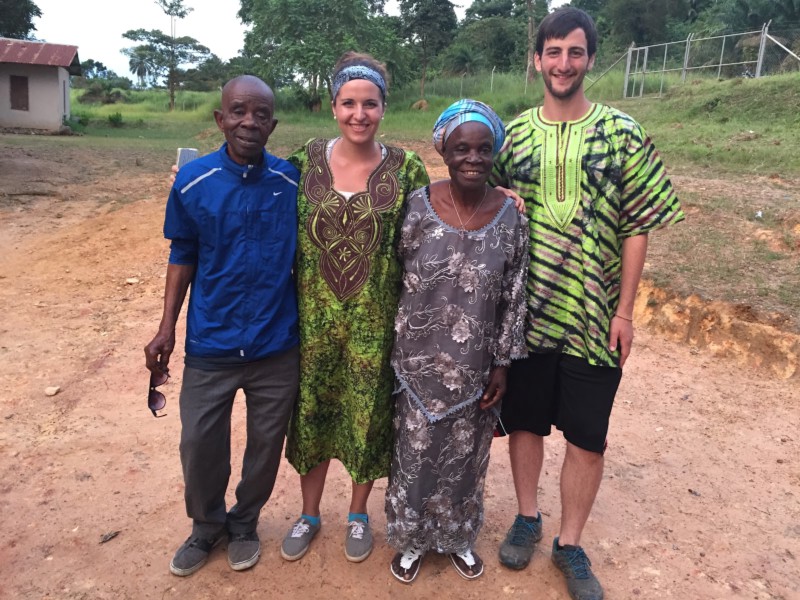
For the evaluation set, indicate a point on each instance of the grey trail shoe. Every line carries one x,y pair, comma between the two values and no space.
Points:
576,566
298,539
244,549
192,555
358,541
517,549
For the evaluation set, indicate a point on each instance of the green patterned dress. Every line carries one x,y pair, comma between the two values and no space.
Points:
348,279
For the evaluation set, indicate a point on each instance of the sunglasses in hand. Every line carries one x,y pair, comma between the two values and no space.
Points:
156,400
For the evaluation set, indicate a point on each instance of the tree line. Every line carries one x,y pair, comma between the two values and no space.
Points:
295,43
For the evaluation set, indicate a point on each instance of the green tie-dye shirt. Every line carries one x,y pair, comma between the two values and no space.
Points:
588,185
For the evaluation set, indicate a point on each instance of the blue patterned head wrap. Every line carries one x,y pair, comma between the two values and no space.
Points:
465,110
358,72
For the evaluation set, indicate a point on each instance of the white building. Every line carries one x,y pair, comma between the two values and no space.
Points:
34,83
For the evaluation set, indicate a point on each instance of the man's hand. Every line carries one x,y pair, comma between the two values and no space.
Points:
496,388
519,201
159,350
174,170
621,334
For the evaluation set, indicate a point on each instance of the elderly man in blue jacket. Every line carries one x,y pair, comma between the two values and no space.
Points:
232,219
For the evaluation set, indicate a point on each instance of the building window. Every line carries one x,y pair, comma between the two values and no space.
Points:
19,92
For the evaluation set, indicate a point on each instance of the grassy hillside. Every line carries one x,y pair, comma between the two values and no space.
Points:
739,125
734,126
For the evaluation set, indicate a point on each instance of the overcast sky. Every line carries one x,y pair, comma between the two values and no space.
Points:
96,26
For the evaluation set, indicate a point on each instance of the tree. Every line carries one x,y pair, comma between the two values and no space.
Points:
502,29
175,10
306,37
594,7
739,15
643,21
461,59
142,63
484,9
101,83
161,56
430,25
210,75
500,41
16,18
93,69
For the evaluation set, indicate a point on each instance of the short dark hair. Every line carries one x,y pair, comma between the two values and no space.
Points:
561,22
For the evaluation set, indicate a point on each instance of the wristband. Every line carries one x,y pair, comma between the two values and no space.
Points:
623,318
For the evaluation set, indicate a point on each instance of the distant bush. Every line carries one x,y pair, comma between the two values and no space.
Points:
115,119
79,118
99,91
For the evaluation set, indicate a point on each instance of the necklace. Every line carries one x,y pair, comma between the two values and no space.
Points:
463,229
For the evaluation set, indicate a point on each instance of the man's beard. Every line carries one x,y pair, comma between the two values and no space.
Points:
563,94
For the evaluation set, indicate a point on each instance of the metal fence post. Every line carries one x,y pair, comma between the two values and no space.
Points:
686,57
644,70
663,70
721,54
636,70
491,85
761,46
628,70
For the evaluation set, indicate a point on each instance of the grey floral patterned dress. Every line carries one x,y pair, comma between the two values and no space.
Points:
462,310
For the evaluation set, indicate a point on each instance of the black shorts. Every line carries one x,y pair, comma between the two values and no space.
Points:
561,390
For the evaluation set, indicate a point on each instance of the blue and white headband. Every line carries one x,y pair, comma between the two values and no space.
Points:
358,72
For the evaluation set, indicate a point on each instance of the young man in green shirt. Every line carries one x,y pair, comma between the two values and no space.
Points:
594,188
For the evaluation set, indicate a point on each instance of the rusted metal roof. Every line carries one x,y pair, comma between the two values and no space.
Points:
25,52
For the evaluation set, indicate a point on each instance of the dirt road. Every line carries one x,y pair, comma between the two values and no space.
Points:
700,499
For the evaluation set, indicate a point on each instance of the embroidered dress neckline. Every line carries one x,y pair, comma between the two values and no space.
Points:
329,152
426,197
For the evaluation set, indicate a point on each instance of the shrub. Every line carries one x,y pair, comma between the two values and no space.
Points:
115,119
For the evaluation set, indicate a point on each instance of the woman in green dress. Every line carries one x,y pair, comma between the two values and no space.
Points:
350,210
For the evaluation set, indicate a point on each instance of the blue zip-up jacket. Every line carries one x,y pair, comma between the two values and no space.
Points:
238,225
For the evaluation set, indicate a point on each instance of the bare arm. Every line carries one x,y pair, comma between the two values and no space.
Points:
634,251
159,350
496,388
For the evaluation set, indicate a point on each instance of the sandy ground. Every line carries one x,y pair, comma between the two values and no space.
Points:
700,499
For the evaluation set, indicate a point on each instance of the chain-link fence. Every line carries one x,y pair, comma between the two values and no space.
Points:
641,71
512,91
746,54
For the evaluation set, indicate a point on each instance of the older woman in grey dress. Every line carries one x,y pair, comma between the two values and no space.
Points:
461,319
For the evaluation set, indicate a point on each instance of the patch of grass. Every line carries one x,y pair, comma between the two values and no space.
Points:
734,126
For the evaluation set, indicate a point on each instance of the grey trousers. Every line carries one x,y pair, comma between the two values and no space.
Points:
270,388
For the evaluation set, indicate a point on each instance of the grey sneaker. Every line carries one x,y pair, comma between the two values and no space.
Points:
517,549
358,541
244,549
576,566
192,555
298,538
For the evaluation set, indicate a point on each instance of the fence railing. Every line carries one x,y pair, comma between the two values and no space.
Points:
746,54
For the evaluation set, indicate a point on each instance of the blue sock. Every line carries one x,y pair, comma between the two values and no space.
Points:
315,521
357,517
